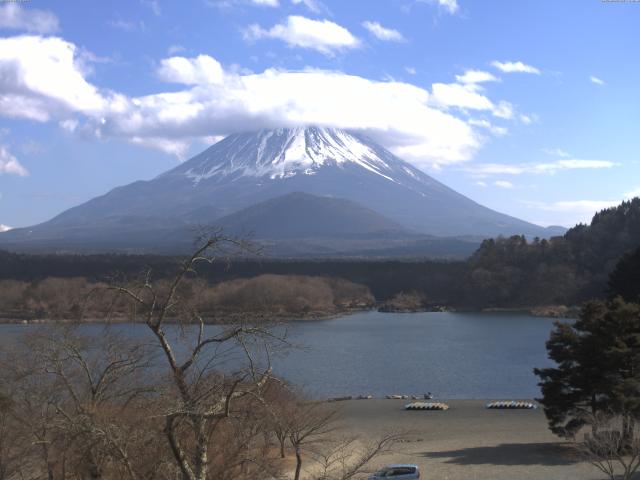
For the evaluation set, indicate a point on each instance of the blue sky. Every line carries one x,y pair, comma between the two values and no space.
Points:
528,107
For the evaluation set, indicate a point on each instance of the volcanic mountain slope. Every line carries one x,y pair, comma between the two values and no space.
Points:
300,224
301,215
248,168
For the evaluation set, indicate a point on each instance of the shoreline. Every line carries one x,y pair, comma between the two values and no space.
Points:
559,312
250,317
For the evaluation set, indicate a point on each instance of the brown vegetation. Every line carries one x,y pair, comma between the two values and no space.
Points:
612,445
287,295
405,302
284,296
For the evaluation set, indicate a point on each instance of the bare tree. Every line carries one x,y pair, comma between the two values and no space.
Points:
31,415
199,394
350,457
74,397
311,423
11,445
279,405
611,446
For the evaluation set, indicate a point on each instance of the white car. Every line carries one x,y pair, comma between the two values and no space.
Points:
397,472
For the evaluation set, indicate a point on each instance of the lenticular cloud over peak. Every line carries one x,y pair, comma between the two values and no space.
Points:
217,102
396,114
408,120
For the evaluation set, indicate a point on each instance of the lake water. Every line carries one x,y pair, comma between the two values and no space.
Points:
453,355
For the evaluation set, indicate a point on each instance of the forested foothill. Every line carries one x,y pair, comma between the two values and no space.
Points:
563,270
512,273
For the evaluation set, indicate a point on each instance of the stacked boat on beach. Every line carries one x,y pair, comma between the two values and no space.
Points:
510,405
426,406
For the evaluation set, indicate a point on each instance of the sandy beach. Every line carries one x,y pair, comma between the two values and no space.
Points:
469,442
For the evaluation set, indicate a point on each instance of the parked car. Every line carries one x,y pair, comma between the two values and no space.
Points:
397,472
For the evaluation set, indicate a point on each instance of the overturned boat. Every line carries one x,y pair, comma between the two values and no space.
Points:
512,405
426,406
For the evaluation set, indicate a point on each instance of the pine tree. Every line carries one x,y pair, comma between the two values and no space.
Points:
625,279
598,367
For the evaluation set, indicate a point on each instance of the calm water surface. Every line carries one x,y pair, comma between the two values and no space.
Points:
453,355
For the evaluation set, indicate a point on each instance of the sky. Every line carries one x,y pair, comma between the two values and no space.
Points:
531,108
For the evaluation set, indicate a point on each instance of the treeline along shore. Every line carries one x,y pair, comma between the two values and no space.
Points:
539,275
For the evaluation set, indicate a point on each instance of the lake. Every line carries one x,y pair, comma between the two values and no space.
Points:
452,355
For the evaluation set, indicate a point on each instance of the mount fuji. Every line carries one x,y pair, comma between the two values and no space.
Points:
235,183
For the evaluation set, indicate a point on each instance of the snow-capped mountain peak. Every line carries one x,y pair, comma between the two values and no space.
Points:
285,153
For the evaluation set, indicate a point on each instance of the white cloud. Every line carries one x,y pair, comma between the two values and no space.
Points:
515,67
504,184
576,206
69,124
496,130
43,78
266,3
504,110
316,6
394,113
9,164
382,33
596,80
468,96
570,212
461,96
526,119
153,5
191,71
450,6
476,76
632,194
481,184
173,49
321,35
487,169
126,25
231,3
43,81
411,70
572,164
4,228
13,16
556,152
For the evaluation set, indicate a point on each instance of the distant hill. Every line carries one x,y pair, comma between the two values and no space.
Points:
304,225
302,215
566,269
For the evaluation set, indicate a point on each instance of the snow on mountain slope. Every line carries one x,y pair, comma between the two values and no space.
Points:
285,153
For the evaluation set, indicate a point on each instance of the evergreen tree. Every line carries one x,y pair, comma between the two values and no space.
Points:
598,367
625,279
